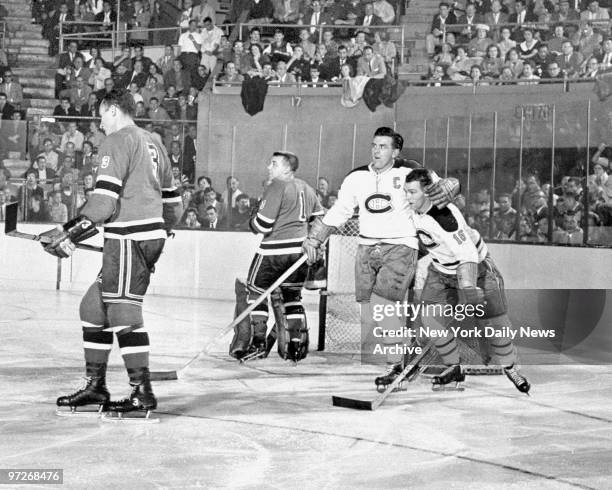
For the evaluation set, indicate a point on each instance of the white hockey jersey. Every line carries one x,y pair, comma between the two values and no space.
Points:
448,238
384,213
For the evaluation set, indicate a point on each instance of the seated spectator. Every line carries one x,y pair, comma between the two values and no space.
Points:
367,19
443,18
282,77
514,62
371,65
528,49
506,43
198,81
157,113
239,56
212,220
138,75
308,47
79,94
36,210
178,77
528,77
495,18
591,69
109,84
166,62
50,155
594,12
95,135
315,77
191,219
520,18
330,44
334,66
461,64
44,175
99,74
30,189
384,10
233,184
505,218
72,135
256,59
139,22
175,134
569,233
279,49
141,113
492,64
135,91
356,48
254,38
268,73
175,154
477,47
539,208
87,154
153,72
605,59
527,232
569,62
387,50
108,17
94,54
186,112
170,101
12,89
298,66
553,72
469,22
124,58
230,75
151,89
58,211
40,136
6,109
121,78
556,42
64,111
67,167
541,230
541,60
438,76
564,13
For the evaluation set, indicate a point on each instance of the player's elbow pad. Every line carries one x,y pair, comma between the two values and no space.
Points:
80,229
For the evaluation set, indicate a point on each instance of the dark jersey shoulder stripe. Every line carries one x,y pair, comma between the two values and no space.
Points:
445,218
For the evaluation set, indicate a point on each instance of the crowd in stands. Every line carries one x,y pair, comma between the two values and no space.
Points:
524,42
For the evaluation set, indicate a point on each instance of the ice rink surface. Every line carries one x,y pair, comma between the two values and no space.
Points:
272,425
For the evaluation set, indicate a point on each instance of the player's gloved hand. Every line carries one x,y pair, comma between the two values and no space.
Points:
442,192
311,247
471,296
60,246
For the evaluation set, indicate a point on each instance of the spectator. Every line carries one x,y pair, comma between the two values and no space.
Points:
438,26
12,89
469,22
286,12
178,77
38,139
505,218
605,60
384,10
152,90
198,82
367,19
239,57
95,135
30,189
153,72
528,77
191,219
356,48
556,42
44,175
157,113
50,155
492,63
189,152
239,219
594,12
170,101
371,65
334,67
570,233
189,45
541,60
308,47
98,75
527,231
124,58
553,72
230,75
212,220
564,13
122,77
521,17
175,154
72,135
279,49
514,62
206,10
174,134
64,111
506,43
94,54
139,23
495,18
528,49
477,47
298,66
233,184
108,17
256,59
330,44
36,210
138,75
141,113
109,84
79,94
591,69
58,211
135,91
52,28
6,109
186,112
569,62
211,40
386,48
166,62
210,199
437,77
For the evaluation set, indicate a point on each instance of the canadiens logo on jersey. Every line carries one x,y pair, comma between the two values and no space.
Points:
378,203
426,239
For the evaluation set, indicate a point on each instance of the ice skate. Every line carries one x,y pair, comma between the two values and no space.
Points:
393,371
93,393
139,405
450,379
517,379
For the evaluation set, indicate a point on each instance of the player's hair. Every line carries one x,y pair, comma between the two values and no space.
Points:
122,99
398,140
419,175
290,158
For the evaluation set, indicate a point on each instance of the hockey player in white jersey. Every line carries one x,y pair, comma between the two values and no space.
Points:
461,272
387,254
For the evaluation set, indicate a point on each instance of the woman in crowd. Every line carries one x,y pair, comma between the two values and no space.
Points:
506,43
529,47
492,63
528,77
514,62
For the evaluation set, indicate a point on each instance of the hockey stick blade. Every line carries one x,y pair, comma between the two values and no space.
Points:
408,371
10,229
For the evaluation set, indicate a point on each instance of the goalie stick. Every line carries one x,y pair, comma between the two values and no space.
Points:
411,369
172,375
10,229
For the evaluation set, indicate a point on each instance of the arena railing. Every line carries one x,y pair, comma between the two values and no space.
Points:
3,35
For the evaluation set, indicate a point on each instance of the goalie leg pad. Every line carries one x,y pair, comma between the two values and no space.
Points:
292,330
243,332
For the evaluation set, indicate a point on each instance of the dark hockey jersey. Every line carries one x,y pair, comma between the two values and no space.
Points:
283,215
135,180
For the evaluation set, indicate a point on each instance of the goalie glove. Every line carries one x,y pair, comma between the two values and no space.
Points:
442,192
469,292
63,239
319,232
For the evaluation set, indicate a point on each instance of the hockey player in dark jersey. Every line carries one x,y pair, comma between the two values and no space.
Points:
136,202
283,215
461,271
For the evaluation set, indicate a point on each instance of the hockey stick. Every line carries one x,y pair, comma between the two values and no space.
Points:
10,229
172,375
409,370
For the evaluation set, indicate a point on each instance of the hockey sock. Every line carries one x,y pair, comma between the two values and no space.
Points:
502,347
97,344
446,345
134,345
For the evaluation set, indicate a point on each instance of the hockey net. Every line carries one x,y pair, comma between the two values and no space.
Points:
342,316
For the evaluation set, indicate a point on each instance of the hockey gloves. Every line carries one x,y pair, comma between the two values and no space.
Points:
63,238
442,192
318,234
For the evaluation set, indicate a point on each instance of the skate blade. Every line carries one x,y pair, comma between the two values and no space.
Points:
401,387
253,357
458,386
135,417
85,414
